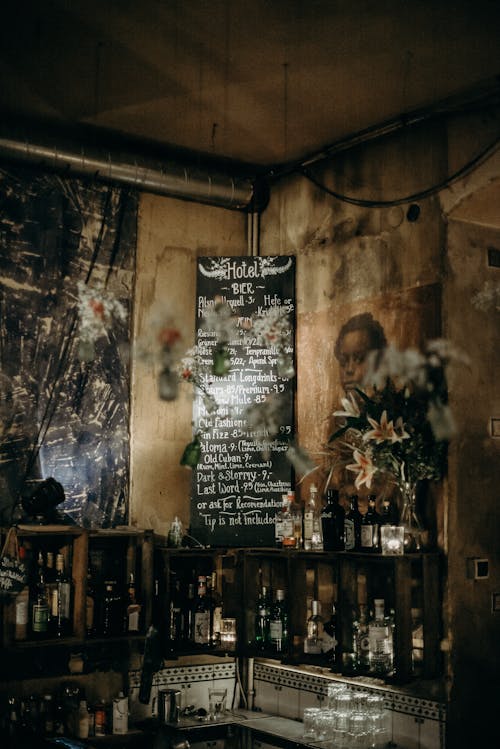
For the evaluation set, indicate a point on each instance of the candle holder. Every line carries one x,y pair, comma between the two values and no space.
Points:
392,539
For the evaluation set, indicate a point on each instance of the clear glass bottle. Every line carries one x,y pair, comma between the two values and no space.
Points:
313,642
332,522
278,623
370,528
381,640
312,533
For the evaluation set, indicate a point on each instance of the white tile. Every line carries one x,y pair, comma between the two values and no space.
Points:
405,730
266,696
288,702
430,734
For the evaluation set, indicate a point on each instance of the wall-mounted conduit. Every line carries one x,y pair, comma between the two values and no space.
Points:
174,180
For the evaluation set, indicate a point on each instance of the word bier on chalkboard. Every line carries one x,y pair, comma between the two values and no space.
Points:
243,470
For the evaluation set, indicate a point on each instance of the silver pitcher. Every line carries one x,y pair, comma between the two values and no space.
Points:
169,704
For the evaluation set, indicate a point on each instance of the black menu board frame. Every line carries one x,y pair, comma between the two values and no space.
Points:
239,481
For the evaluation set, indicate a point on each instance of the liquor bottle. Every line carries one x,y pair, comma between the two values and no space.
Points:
133,611
111,615
332,522
330,641
352,525
21,606
216,612
278,522
188,615
201,615
39,604
388,514
61,601
380,636
313,538
278,624
90,605
314,637
262,620
296,511
362,641
175,617
370,527
288,540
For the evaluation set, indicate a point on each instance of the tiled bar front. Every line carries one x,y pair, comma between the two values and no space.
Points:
417,723
284,691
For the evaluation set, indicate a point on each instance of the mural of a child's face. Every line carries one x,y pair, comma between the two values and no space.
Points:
353,350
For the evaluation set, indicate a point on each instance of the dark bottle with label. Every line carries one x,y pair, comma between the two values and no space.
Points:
330,641
62,600
39,603
175,617
262,614
188,615
352,525
201,615
332,522
370,527
278,624
388,513
111,623
133,611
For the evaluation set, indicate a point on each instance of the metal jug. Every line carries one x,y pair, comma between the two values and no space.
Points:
169,703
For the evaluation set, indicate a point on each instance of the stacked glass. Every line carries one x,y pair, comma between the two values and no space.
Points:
351,719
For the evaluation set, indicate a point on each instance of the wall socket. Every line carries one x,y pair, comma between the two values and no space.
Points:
478,569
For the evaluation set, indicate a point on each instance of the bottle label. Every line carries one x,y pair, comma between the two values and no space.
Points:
21,613
64,600
202,627
276,630
40,617
367,534
287,528
349,537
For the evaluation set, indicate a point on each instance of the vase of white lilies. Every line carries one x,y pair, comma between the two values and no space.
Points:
398,425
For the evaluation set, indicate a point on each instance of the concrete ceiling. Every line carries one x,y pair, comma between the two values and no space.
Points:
265,82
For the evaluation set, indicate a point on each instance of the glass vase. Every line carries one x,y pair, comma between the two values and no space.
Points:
409,520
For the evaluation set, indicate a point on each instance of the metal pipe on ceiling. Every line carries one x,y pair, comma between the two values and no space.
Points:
172,180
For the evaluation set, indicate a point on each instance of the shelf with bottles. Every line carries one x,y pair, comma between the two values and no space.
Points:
338,588
119,583
50,606
409,585
54,606
197,596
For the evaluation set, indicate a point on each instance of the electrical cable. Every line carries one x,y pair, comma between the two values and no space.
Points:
428,192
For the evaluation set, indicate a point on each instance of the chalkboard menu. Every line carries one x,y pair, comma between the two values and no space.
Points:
243,469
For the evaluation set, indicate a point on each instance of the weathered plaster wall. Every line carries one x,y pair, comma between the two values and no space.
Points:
171,235
348,258
351,259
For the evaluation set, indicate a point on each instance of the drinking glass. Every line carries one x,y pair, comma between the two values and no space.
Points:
333,691
357,731
216,703
309,720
